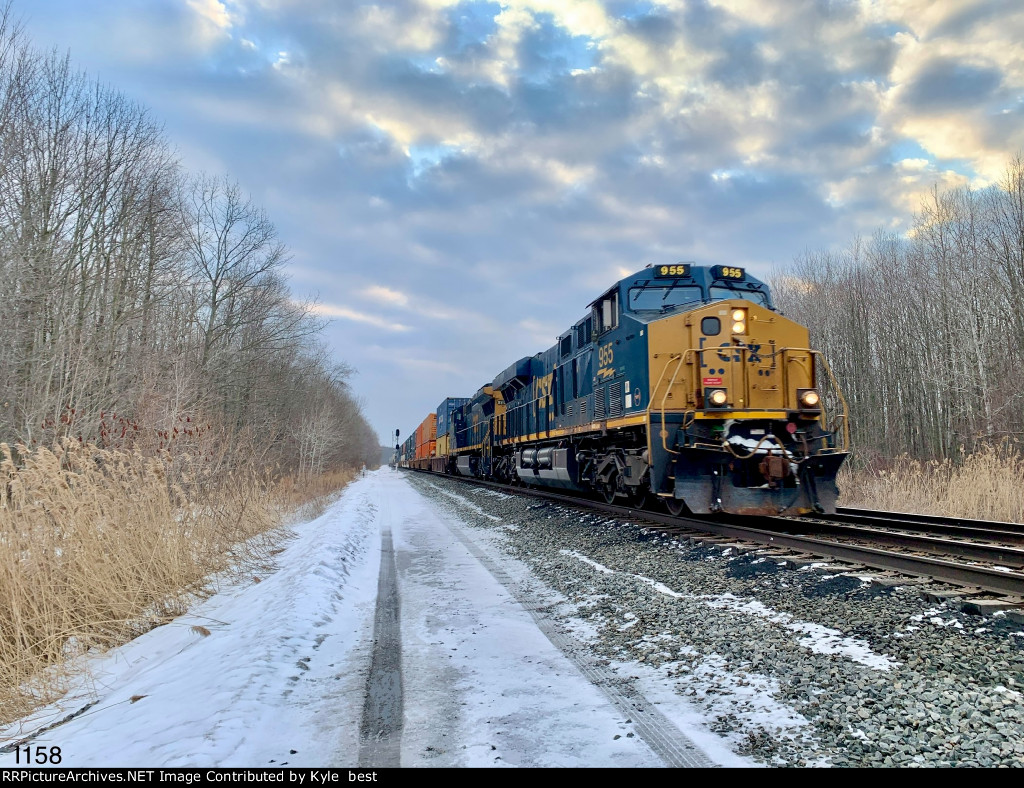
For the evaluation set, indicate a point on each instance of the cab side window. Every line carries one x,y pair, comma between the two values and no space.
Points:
606,313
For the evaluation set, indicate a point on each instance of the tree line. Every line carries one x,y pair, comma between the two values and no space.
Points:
145,307
925,331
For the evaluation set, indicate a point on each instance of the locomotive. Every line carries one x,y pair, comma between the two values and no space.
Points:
682,384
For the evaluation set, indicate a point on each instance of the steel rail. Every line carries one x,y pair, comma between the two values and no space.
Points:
976,577
992,552
962,526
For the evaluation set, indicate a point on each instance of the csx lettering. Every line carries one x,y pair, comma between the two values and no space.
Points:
725,356
753,354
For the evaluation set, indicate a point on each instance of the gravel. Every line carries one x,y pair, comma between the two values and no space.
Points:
820,665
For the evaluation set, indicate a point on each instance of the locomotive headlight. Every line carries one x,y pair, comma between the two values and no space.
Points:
809,399
738,327
718,398
738,314
739,321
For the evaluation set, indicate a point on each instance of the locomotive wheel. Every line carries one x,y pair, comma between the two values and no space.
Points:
640,497
608,490
675,506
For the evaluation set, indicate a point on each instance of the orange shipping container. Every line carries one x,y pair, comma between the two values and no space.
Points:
426,437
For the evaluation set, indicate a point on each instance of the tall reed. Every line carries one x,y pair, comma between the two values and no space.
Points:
98,545
988,485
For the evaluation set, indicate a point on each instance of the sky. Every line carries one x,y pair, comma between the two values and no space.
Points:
457,180
484,681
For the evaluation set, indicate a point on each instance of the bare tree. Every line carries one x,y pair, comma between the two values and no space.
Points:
133,289
926,332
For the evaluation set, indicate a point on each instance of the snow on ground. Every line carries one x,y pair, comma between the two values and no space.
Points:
819,639
490,688
279,671
280,678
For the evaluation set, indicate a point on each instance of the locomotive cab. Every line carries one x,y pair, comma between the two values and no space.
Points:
738,402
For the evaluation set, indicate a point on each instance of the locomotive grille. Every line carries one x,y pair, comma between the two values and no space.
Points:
569,409
615,399
599,403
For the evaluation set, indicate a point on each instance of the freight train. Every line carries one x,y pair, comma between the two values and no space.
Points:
683,384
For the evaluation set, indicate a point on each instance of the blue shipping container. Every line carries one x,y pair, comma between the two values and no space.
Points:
445,410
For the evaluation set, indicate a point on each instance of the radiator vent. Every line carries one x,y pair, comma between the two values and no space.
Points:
615,399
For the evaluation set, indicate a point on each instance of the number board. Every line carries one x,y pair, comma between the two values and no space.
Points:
674,271
728,272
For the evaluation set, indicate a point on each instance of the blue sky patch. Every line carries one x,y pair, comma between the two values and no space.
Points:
550,51
908,149
425,157
631,9
473,23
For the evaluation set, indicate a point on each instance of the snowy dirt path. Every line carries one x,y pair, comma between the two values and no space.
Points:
492,688
282,677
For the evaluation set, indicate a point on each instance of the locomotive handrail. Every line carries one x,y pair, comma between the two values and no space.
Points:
679,365
841,417
785,354
844,416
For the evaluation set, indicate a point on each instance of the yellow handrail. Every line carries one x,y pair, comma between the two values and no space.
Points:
668,389
786,355
844,416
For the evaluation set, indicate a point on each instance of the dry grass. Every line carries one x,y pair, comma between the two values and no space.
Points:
302,499
100,545
988,485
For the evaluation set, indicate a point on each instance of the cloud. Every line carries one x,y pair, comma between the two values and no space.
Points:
214,13
945,83
386,295
459,178
331,310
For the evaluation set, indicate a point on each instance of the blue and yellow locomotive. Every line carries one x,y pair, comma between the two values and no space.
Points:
683,384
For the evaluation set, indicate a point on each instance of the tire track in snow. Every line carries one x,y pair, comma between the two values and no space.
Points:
658,732
380,732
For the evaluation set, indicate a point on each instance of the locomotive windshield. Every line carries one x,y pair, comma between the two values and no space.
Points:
758,297
658,298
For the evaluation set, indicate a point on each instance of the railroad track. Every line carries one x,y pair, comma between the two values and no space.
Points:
998,548
1008,533
988,558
